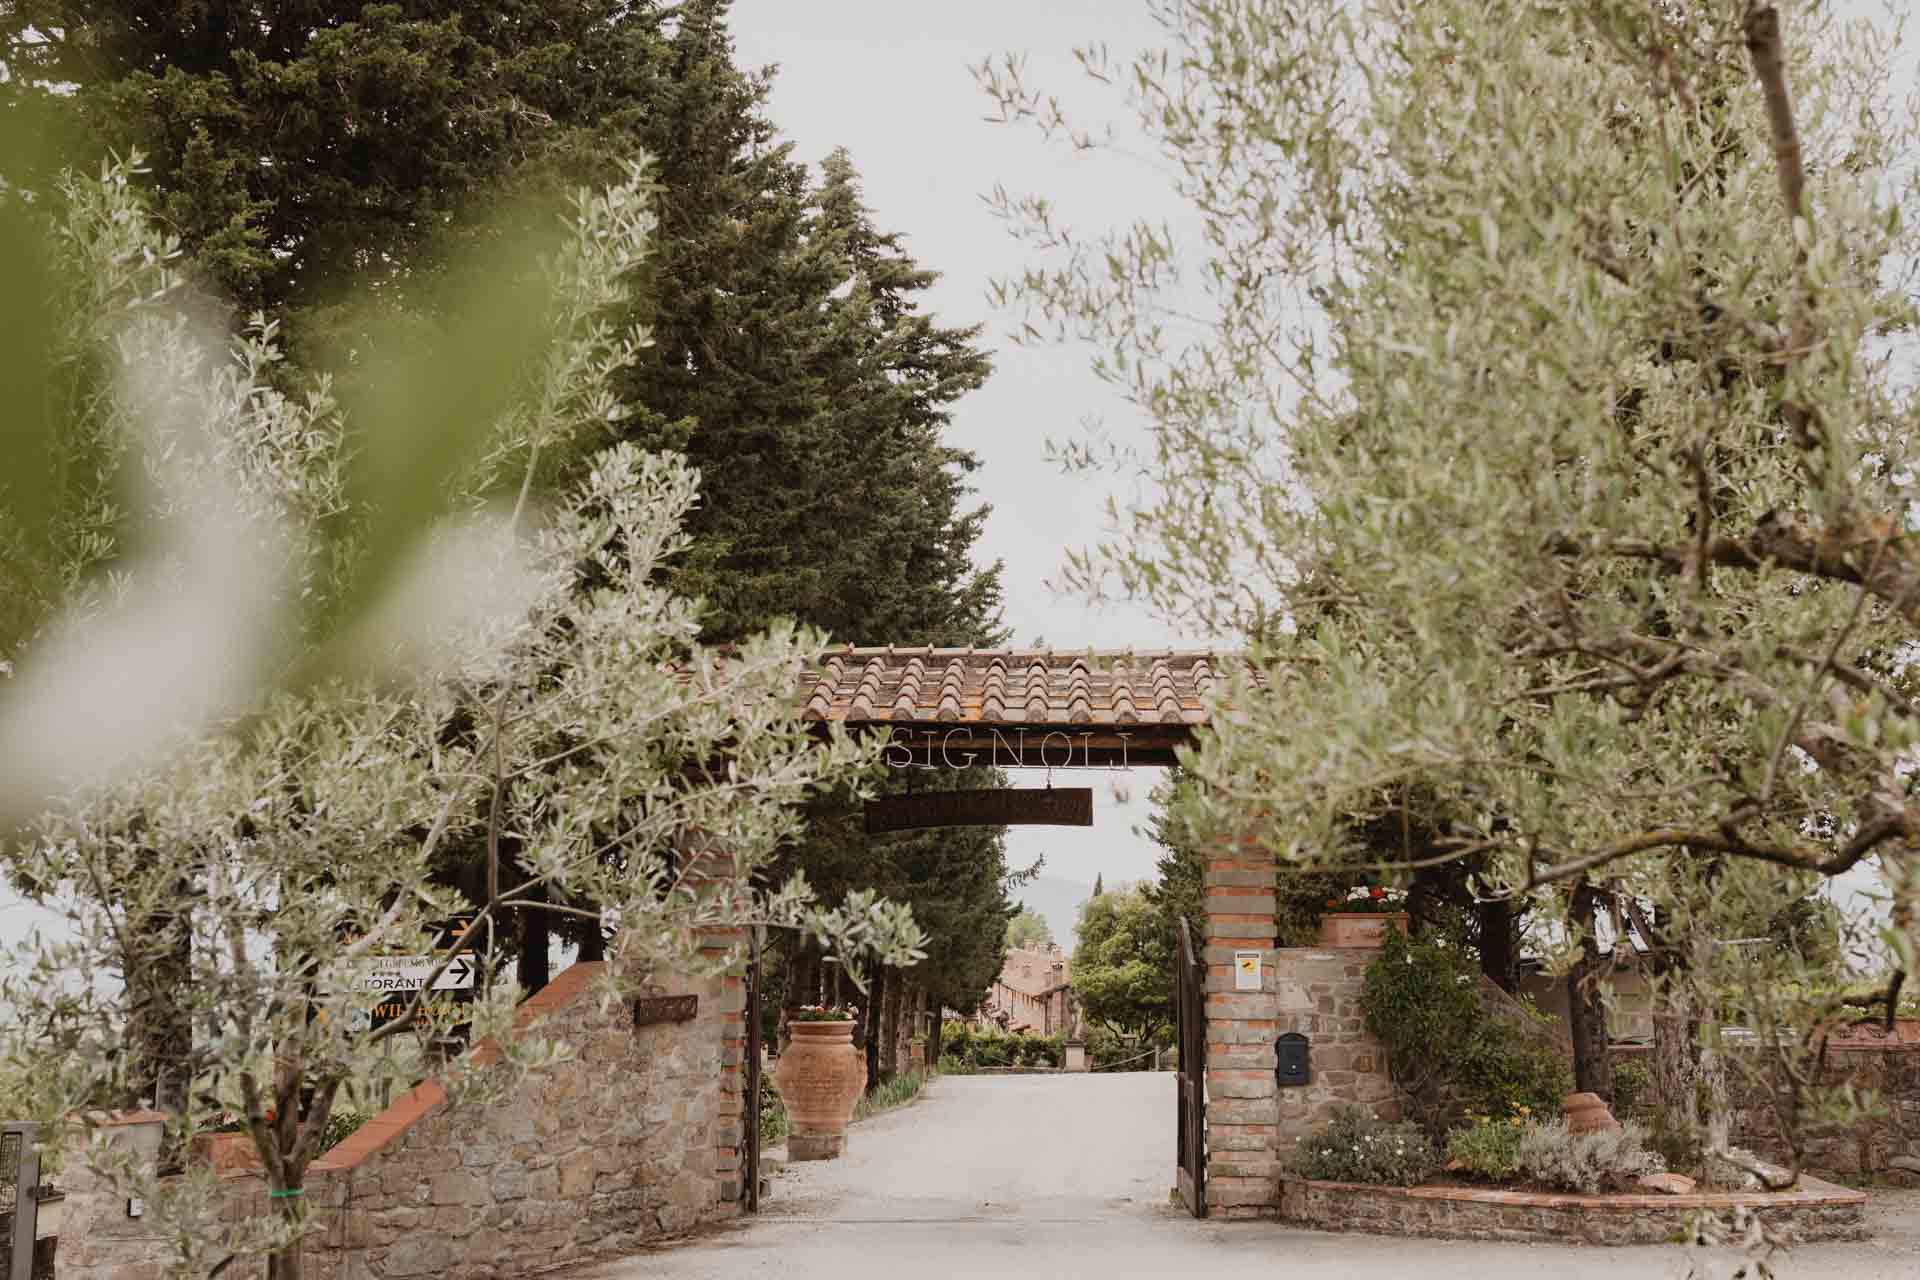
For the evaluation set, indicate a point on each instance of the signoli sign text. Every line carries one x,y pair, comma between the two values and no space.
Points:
961,748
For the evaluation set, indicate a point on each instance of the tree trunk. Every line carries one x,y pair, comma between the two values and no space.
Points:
872,1020
935,1028
593,944
160,1031
1586,1015
890,1028
289,1263
1676,1072
1497,956
535,969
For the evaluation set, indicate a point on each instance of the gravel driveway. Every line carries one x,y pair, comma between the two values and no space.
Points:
1065,1177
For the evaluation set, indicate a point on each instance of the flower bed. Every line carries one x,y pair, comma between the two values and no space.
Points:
1816,1211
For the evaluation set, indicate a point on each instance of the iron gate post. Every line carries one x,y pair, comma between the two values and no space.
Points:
19,1189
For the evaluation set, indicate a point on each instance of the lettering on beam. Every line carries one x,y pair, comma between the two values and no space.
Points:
1054,807
960,748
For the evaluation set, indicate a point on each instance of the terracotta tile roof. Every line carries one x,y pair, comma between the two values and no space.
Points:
1014,686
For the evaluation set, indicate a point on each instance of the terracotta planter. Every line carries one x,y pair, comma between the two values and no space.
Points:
1586,1113
225,1152
1360,928
820,1077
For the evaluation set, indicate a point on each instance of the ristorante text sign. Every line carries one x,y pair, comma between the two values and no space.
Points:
1062,807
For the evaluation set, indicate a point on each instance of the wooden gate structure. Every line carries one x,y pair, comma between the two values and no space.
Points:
1190,1016
1093,710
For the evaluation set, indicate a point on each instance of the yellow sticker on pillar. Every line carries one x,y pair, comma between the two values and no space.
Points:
1246,971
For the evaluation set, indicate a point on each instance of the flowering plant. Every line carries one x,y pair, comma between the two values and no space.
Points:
1367,898
825,1013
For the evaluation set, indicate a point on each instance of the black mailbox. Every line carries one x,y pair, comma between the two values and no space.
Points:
1290,1059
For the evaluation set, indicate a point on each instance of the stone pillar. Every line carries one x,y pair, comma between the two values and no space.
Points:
1317,993
1241,1171
1076,1056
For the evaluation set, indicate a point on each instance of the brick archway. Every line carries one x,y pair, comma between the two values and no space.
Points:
1114,707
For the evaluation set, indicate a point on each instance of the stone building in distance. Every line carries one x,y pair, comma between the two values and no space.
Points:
1034,993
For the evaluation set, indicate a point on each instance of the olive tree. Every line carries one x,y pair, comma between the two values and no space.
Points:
485,663
1534,399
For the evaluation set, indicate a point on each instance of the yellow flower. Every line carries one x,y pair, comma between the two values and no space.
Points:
1525,1111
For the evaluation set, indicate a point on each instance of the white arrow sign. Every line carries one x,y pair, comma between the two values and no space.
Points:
410,973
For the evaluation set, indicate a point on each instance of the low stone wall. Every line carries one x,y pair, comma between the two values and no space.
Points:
1817,1211
1317,992
1889,1069
627,1142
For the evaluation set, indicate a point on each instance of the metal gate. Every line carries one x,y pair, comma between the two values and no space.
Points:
750,1121
1190,1011
19,1185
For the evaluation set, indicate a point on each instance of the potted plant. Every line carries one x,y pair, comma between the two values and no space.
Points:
1363,917
820,1078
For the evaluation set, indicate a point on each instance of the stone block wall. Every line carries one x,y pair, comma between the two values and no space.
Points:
1317,993
629,1141
1891,1071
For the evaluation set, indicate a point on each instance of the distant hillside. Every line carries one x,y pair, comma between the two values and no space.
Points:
1058,901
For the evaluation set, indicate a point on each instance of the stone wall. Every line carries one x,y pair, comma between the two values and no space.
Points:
628,1142
1891,1071
1817,1211
1317,993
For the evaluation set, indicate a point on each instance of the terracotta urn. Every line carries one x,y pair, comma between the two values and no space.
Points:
820,1077
1360,928
1586,1113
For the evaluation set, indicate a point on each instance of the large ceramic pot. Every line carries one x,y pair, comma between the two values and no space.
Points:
820,1077
1587,1113
1360,928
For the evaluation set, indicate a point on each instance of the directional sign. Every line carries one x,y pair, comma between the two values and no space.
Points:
410,973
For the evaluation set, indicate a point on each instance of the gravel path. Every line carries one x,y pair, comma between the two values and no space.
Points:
1067,1176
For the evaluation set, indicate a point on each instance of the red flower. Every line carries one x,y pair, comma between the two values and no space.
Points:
1333,902
1377,892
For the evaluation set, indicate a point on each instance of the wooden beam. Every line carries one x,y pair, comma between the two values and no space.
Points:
1053,807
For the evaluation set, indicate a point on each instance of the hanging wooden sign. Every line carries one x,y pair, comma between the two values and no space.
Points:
1054,807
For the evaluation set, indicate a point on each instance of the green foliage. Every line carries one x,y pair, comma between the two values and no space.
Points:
972,1049
773,1115
1028,929
1356,1147
894,1091
1489,1149
1107,1050
1631,1080
1557,462
342,1123
1445,1048
1122,963
1552,1156
952,1065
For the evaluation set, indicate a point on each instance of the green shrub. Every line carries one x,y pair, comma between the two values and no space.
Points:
952,1066
1631,1080
1552,1155
894,1091
773,1117
1446,1050
341,1124
1356,1147
1488,1149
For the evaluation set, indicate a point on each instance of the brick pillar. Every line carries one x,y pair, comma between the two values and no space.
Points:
1240,1031
717,867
